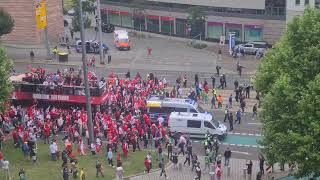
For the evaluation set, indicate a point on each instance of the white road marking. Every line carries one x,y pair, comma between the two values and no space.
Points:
255,124
240,152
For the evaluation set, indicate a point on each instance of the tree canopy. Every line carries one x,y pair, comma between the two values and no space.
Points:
6,22
289,79
196,15
87,7
5,84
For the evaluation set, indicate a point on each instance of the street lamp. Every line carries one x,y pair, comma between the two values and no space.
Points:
85,74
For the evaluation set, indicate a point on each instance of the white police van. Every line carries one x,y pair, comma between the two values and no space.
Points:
196,124
157,106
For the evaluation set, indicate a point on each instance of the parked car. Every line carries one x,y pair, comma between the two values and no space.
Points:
253,47
92,46
107,28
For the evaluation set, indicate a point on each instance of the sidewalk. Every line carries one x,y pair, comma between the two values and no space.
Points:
236,171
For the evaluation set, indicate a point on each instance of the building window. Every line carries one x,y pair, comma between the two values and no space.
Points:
317,3
297,2
306,2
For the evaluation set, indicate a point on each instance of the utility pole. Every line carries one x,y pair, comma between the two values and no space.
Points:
85,74
47,42
100,31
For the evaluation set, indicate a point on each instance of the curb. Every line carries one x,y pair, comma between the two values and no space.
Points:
244,134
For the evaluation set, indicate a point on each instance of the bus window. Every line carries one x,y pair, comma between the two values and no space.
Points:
155,110
167,110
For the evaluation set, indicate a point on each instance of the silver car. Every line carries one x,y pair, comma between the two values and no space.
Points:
253,47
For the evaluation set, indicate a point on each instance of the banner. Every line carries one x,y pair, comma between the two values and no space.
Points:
232,41
222,40
41,13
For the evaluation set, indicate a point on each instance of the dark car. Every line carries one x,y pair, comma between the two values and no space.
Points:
107,28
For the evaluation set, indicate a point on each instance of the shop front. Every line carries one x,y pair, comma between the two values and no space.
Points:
235,29
214,31
114,17
153,23
126,19
167,25
253,33
181,28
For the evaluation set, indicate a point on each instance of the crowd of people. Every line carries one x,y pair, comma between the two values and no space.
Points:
66,77
123,123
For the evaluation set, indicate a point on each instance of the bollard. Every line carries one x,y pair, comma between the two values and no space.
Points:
212,175
180,166
228,170
245,173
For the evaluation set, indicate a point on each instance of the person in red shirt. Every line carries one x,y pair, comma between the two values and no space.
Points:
47,132
147,164
125,149
118,160
15,137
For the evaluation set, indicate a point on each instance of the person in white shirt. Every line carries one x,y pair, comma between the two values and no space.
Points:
53,150
5,166
160,120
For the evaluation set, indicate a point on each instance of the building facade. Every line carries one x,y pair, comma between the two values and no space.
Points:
296,7
25,30
250,20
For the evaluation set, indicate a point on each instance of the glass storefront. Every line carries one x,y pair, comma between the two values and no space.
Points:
126,20
153,23
252,33
114,18
181,27
104,16
234,28
139,23
167,26
215,30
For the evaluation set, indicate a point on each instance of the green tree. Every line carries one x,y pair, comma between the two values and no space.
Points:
6,22
87,7
196,15
288,78
5,83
